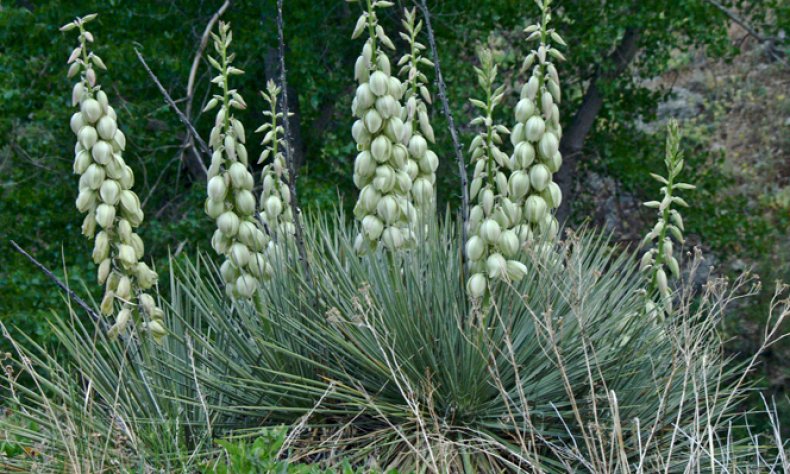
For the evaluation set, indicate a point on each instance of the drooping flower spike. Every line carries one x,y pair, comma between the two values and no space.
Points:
493,243
381,174
423,162
230,183
537,133
112,208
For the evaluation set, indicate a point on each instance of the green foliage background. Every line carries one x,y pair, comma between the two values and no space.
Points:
38,190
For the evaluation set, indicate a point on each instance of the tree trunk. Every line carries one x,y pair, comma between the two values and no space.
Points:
573,137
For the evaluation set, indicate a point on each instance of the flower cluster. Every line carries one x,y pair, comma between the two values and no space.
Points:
536,134
230,200
275,203
112,209
656,261
423,162
381,167
493,242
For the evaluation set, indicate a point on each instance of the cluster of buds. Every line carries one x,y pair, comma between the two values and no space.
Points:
656,261
423,162
493,241
537,133
112,209
381,168
275,203
230,200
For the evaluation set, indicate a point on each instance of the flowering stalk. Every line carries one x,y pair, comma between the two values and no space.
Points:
423,162
380,169
106,196
493,243
275,203
656,261
230,200
537,132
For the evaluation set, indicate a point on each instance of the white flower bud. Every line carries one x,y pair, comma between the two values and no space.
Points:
77,122
89,225
548,145
477,285
239,255
110,192
127,255
214,208
509,243
388,209
228,223
86,199
365,97
91,110
392,238
245,202
124,290
475,247
379,83
246,285
106,128
102,152
518,185
373,121
524,110
496,266
274,206
101,247
381,148
87,137
422,190
535,209
364,164
539,177
372,227
360,133
81,162
216,188
534,128
418,146
516,270
240,177
105,215
490,230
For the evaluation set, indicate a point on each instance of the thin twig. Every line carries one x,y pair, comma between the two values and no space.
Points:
203,147
289,156
93,314
189,142
453,131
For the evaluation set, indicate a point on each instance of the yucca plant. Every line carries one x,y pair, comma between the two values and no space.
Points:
382,370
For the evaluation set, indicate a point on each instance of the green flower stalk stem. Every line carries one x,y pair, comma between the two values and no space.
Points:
423,162
106,196
493,242
660,259
384,206
275,203
230,200
537,133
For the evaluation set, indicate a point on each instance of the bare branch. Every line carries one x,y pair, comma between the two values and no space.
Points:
288,154
453,131
181,116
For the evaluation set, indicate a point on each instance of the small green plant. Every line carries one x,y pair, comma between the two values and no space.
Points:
106,195
661,258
